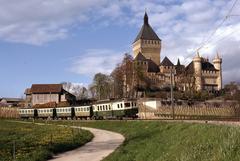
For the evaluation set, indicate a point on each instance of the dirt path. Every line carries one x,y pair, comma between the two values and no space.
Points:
103,143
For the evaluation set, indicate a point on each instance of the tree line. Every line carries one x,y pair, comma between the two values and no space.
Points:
125,81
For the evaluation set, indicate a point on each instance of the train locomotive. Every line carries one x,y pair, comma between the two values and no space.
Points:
105,109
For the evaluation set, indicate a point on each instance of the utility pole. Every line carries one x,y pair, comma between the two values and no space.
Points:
172,106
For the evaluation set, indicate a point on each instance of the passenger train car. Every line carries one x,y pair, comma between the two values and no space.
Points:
115,109
100,110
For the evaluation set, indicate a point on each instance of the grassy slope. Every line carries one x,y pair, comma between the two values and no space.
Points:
162,141
35,142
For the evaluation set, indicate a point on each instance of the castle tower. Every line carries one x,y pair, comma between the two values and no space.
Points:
147,42
217,62
197,64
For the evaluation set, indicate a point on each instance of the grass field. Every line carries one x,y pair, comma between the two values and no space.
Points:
37,143
164,141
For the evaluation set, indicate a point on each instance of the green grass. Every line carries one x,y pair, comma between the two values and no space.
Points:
164,141
36,142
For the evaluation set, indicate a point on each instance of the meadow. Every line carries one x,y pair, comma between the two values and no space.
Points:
31,142
171,141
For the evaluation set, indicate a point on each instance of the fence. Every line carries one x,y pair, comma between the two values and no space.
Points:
9,112
191,112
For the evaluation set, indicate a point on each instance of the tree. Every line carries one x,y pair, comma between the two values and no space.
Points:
102,84
118,82
78,90
128,75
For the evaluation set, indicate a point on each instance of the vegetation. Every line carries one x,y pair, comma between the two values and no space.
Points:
232,91
198,112
36,143
164,141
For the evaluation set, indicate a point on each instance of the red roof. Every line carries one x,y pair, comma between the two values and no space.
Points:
46,88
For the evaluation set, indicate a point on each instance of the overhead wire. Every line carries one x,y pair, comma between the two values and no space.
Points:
208,39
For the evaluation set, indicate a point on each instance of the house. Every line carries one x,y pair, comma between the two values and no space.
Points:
11,102
45,93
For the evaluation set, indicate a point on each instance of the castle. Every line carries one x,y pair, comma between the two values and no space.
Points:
200,74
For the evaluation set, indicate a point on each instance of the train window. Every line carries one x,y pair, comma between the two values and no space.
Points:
103,107
127,104
132,104
87,108
69,110
51,110
118,105
98,108
121,105
135,103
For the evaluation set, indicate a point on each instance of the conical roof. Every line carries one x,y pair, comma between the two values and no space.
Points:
146,32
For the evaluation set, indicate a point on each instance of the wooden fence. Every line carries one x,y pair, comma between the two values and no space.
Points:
9,112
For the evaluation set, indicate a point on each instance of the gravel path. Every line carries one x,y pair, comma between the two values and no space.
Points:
103,143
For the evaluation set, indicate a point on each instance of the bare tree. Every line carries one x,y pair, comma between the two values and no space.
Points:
76,89
102,84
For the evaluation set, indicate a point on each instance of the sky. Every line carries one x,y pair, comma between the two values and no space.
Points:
51,41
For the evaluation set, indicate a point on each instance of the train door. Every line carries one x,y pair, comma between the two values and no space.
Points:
73,115
54,114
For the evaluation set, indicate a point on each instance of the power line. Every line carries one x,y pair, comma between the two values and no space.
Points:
207,40
221,39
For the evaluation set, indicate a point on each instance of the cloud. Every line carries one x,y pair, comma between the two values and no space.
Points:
94,61
181,24
40,21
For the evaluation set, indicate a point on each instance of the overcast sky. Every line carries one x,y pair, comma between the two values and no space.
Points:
50,41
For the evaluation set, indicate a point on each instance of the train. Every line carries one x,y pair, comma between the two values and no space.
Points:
104,109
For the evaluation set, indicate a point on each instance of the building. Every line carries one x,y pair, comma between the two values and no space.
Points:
200,74
11,102
45,93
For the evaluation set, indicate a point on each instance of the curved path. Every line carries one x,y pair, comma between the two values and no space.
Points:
103,143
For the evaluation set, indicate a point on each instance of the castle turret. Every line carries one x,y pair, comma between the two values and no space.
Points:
217,62
147,42
198,72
